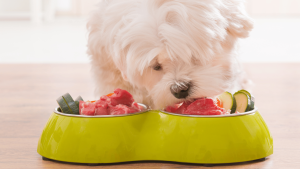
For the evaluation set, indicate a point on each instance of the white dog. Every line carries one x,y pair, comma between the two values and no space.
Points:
166,51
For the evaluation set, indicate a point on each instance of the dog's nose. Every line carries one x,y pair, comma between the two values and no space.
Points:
180,89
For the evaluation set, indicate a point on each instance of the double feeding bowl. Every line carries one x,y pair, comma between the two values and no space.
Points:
155,135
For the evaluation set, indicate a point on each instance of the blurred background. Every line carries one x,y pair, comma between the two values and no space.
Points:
54,31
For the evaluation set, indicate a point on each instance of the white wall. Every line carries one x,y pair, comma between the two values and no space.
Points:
63,7
255,8
14,5
24,5
273,8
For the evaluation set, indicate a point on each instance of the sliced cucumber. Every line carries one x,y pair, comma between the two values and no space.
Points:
71,103
252,99
228,101
243,102
251,105
79,98
67,104
63,105
245,91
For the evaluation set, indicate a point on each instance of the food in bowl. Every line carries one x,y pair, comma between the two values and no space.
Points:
117,103
122,102
203,106
68,105
226,103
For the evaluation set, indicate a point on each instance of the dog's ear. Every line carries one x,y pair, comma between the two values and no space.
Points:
239,23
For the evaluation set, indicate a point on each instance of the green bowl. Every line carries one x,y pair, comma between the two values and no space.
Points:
156,135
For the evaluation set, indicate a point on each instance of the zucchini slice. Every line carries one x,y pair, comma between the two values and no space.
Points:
71,103
63,105
243,102
252,99
79,98
245,91
228,101
67,104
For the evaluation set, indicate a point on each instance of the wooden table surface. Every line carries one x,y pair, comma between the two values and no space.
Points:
28,93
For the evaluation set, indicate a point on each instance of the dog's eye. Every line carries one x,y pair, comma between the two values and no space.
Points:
157,67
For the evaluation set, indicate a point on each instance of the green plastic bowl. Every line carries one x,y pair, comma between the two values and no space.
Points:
156,135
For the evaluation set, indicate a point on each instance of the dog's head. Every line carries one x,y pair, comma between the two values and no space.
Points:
177,50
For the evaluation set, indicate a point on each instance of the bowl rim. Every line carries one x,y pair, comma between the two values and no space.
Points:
147,108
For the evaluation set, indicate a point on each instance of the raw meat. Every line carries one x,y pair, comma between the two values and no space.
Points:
122,109
121,97
203,106
120,102
86,108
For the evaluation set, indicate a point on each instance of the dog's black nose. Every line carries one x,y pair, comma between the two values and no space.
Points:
180,89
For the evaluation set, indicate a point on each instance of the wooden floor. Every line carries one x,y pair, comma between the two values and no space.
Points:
28,94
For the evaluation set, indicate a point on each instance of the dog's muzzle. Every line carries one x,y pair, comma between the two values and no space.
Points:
180,89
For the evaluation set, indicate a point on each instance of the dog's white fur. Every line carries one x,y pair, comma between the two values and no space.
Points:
193,40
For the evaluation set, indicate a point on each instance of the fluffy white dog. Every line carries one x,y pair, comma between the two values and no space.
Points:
166,51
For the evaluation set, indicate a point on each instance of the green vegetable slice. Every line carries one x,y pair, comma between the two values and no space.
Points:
252,99
63,105
71,103
228,101
243,102
245,91
79,98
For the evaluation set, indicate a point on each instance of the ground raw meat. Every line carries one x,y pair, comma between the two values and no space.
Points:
204,106
120,102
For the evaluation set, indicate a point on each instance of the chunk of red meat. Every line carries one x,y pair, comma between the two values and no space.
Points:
102,107
105,99
122,109
137,106
205,106
177,108
121,97
201,104
86,108
172,109
183,107
121,102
